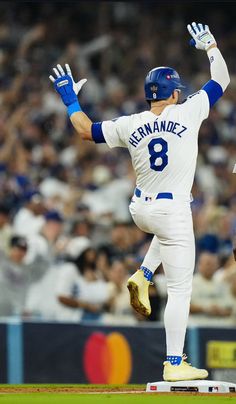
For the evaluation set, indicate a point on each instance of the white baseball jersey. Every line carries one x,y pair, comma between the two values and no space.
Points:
163,148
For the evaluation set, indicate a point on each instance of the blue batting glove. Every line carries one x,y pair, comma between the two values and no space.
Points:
64,86
67,88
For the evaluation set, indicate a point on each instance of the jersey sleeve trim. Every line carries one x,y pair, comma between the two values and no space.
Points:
97,133
213,90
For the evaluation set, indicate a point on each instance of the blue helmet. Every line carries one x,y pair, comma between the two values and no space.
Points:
160,83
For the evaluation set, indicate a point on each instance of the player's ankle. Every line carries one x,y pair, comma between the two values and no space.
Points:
147,273
174,360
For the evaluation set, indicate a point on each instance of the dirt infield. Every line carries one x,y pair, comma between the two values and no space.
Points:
95,389
71,389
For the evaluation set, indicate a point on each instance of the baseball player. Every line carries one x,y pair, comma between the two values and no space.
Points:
163,145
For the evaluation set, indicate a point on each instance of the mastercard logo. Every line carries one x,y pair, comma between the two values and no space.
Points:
107,359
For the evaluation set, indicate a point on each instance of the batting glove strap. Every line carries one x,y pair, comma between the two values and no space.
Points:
202,37
75,107
64,86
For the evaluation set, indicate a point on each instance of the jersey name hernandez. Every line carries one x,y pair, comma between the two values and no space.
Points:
156,127
163,147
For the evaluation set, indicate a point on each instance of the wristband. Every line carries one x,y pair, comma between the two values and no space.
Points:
75,107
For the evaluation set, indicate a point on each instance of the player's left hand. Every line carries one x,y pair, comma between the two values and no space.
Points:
202,37
59,72
65,85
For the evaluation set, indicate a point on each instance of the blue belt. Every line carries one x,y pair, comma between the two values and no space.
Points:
160,195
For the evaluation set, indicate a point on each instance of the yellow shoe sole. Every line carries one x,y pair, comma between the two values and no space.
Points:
182,377
134,300
179,379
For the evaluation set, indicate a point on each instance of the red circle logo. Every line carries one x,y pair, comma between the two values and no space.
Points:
107,359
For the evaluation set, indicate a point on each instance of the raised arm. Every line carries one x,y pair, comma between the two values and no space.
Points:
68,89
204,40
110,132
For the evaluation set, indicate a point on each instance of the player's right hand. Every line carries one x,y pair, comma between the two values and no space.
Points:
202,37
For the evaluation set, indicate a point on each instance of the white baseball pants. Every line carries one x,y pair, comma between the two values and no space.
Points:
170,220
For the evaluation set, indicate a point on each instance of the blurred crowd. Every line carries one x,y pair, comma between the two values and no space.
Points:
68,244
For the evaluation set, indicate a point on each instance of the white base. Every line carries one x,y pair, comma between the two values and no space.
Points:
195,386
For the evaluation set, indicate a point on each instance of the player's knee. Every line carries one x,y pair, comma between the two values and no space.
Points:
180,289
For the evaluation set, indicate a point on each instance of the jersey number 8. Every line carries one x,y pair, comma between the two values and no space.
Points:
161,154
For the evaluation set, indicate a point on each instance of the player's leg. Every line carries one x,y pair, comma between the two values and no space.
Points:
171,221
177,250
152,258
179,288
138,283
178,260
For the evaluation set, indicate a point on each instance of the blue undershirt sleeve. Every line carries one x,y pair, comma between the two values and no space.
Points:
213,90
97,133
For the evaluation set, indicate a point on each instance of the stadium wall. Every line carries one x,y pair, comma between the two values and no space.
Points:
86,353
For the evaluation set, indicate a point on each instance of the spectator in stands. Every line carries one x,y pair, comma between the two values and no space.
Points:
119,307
43,246
110,194
120,243
81,285
29,219
82,228
210,303
218,232
227,269
103,262
15,277
5,227
41,301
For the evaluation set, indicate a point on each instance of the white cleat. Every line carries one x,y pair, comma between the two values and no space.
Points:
139,297
184,371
